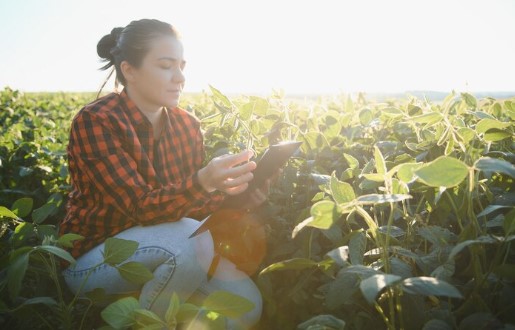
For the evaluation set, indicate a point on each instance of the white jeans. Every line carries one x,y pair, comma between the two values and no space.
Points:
179,264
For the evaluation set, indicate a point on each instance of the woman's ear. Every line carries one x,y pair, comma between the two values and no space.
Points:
127,71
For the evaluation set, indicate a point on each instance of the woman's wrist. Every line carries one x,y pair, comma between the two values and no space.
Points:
203,179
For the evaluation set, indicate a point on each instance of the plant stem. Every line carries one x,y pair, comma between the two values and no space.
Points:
85,314
455,208
385,318
76,296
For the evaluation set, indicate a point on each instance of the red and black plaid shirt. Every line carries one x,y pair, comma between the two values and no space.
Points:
121,177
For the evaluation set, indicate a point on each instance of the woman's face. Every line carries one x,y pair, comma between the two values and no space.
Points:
159,80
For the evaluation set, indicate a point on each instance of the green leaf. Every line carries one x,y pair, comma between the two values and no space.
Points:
117,250
487,124
494,135
218,96
445,271
428,118
5,212
400,267
430,286
290,264
67,239
324,214
443,172
481,320
489,164
361,270
120,313
97,296
437,235
379,159
357,247
469,100
375,177
492,208
381,199
353,162
22,232
394,231
187,312
135,272
436,324
509,222
228,304
40,214
46,231
392,112
506,270
41,300
246,111
56,251
405,171
342,192
365,116
322,322
466,134
314,141
147,319
260,105
341,289
371,286
22,207
172,311
340,255
16,273
480,240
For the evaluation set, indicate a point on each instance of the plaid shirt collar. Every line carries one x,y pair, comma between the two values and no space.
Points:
137,117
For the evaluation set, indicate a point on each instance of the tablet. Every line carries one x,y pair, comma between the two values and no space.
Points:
272,160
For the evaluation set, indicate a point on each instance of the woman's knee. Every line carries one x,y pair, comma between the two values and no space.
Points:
228,278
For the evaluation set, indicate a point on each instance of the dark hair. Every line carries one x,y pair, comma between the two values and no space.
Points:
131,43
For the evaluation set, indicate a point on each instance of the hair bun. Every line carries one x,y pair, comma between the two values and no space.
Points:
107,43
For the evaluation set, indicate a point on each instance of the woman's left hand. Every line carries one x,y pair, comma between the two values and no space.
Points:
259,196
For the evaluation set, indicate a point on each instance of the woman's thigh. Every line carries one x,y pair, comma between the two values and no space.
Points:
163,244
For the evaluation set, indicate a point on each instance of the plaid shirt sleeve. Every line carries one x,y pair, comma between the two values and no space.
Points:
217,198
114,174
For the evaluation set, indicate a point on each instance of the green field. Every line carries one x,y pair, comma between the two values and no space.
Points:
396,214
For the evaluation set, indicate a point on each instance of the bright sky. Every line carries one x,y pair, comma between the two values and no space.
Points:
257,46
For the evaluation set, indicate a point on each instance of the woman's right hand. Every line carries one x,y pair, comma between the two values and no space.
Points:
228,173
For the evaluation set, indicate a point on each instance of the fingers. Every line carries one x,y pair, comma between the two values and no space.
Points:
228,173
232,160
259,196
238,180
256,198
240,170
236,190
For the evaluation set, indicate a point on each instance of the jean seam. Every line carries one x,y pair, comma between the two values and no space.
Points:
159,285
83,272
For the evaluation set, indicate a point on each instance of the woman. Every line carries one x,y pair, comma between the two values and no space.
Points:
135,161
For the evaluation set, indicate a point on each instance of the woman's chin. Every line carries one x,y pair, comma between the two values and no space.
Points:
172,103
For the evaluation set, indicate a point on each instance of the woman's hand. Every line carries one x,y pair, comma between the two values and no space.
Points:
260,195
228,173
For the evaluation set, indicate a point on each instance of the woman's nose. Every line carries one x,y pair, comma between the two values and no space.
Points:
179,76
